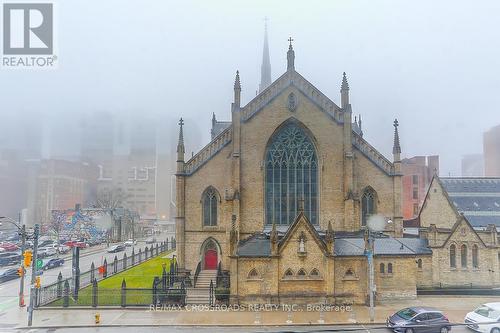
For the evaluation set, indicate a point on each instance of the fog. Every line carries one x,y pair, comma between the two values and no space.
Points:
433,65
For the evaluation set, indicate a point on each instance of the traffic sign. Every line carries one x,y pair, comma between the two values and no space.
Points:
39,263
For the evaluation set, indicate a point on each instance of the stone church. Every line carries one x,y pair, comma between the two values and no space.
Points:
281,196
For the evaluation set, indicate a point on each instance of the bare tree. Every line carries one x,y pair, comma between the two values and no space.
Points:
110,198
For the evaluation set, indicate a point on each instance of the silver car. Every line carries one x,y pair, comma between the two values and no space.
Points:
419,319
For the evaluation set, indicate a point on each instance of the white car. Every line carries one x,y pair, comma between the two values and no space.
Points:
130,242
62,248
484,319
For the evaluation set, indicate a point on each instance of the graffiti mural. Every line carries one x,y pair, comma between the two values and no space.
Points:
81,224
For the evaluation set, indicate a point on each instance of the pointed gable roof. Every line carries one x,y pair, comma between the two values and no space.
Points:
460,220
302,220
292,78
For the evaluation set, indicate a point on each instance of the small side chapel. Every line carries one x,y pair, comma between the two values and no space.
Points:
281,196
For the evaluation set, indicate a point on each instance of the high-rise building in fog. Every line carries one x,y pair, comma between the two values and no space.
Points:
473,165
417,175
491,150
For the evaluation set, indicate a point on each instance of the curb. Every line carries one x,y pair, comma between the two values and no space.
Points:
354,325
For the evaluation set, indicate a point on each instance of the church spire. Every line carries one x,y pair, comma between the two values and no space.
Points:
396,149
290,56
265,68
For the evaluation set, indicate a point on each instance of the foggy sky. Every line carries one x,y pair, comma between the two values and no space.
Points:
432,64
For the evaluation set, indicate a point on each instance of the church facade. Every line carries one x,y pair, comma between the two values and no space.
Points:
281,196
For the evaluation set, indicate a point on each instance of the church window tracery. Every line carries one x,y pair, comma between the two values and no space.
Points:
291,176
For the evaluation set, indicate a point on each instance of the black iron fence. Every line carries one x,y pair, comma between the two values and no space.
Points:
55,291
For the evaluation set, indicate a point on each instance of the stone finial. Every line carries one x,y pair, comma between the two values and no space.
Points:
237,89
396,149
290,56
237,84
344,92
345,85
180,142
274,240
265,69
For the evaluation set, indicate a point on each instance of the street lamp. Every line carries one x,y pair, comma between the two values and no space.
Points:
375,224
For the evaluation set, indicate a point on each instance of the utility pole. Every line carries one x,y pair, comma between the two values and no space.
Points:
33,275
369,255
21,285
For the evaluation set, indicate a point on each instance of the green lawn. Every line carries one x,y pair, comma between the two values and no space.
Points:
140,276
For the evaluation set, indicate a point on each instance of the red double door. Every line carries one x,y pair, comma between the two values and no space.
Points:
211,259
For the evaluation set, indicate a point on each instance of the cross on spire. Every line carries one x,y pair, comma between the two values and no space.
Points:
396,149
290,56
290,39
181,122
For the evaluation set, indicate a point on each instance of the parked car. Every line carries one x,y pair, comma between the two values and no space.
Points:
151,240
485,318
130,242
116,248
8,274
52,263
419,319
61,248
11,259
7,246
73,243
44,252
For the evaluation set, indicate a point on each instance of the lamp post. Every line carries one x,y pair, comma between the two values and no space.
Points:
375,224
22,233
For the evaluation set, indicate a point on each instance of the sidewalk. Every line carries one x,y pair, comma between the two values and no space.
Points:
454,307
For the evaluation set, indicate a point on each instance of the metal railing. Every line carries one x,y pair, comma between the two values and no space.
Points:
54,291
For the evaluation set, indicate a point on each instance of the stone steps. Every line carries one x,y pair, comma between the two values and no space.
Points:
200,294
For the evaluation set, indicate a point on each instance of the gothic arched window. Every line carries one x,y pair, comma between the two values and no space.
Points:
475,252
209,201
453,256
368,205
419,263
291,176
382,268
389,268
463,255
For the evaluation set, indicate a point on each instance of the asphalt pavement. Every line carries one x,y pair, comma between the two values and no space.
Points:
177,329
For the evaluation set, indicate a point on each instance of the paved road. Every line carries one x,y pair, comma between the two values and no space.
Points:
9,290
270,329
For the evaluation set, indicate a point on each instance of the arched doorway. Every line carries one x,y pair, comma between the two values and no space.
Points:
210,255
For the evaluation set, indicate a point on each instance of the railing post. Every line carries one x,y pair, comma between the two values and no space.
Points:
151,249
211,298
66,294
155,290
95,292
92,272
164,278
124,295
133,257
124,261
115,265
59,285
105,269
156,248
166,244
140,255
183,291
146,253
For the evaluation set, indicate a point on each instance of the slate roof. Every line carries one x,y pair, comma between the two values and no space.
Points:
258,245
382,246
477,198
